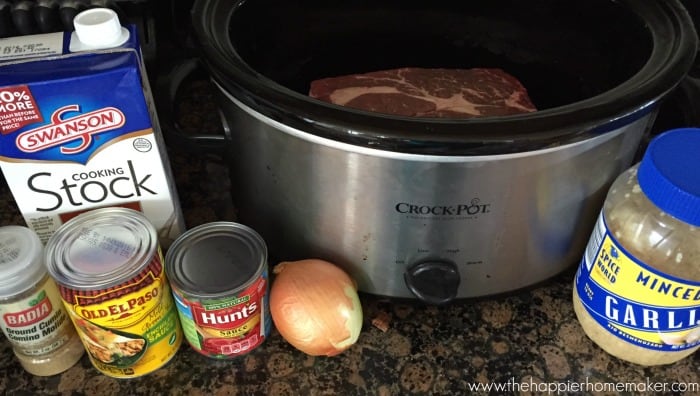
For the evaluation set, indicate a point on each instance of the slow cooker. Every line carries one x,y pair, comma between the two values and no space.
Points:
436,209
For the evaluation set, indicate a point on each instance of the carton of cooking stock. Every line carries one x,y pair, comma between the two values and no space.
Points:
79,130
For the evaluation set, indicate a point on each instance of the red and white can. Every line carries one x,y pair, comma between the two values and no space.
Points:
219,277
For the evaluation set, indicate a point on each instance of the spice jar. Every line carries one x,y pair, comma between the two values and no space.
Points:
637,289
31,312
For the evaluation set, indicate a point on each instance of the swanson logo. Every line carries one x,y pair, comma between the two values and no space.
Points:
78,129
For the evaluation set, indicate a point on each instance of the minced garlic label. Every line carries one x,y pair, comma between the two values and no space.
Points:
634,301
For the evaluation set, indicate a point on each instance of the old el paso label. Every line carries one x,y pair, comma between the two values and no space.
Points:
634,301
122,311
140,339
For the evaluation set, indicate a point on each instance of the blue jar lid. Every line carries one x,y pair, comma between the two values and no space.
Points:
669,173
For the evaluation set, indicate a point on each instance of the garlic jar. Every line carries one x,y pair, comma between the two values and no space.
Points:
637,289
31,311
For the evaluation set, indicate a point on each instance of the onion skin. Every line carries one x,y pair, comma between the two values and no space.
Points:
315,306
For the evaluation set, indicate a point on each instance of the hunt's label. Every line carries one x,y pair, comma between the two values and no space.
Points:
78,131
226,327
635,302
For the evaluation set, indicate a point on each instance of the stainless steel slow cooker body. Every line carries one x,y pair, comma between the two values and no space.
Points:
426,208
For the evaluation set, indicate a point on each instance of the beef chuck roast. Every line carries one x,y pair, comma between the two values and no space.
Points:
419,92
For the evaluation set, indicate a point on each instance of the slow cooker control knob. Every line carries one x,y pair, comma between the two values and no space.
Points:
433,282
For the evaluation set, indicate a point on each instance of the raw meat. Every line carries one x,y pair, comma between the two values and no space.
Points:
419,92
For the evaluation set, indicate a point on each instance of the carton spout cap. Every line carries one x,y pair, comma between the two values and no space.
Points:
99,28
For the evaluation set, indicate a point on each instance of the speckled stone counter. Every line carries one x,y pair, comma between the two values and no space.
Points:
524,341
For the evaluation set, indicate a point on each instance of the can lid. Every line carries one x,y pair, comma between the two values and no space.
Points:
99,28
668,173
215,259
21,260
101,248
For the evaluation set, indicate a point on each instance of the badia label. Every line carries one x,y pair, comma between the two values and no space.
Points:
37,324
635,302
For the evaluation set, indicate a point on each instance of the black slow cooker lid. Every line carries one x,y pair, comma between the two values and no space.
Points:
588,66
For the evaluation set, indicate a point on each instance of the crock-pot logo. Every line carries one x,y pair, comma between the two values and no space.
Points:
473,208
78,129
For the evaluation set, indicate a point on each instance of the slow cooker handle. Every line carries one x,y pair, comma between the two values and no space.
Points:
165,94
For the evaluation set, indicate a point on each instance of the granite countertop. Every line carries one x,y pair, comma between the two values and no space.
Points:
527,338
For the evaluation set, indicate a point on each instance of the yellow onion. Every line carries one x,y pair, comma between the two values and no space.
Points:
315,306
